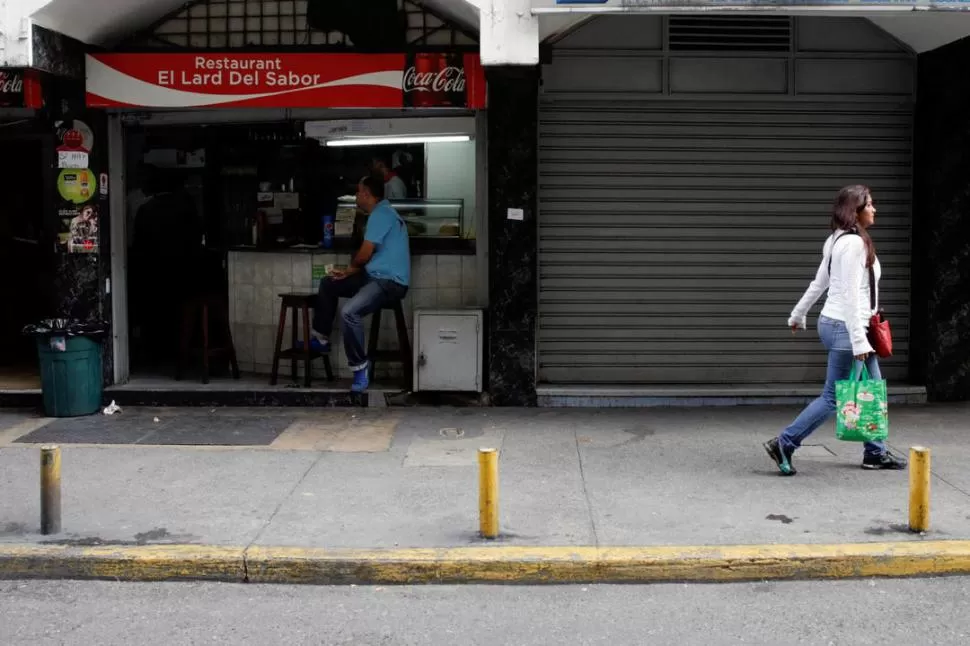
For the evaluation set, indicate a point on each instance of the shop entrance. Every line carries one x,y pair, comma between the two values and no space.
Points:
26,254
195,195
235,212
172,246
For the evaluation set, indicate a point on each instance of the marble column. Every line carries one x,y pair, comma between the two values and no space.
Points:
513,236
941,225
80,289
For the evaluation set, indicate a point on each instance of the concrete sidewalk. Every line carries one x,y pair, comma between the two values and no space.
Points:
407,478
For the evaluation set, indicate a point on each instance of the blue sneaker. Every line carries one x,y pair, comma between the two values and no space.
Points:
361,381
316,345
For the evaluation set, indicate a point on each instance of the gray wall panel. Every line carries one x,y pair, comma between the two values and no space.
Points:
631,33
842,35
605,74
731,76
881,77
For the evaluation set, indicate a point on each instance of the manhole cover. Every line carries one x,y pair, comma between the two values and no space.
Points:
452,433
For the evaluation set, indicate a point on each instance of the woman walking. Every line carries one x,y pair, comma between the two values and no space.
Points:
847,257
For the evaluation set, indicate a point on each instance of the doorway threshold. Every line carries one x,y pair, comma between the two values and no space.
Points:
699,395
248,390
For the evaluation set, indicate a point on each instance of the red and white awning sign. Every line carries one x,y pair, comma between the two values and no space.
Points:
267,80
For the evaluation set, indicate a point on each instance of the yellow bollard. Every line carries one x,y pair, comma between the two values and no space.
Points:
488,492
50,490
919,489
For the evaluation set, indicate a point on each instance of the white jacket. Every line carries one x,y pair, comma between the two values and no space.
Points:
848,287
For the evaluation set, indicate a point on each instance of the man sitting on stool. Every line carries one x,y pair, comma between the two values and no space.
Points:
378,275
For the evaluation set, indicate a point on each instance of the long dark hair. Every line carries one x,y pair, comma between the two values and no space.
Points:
850,202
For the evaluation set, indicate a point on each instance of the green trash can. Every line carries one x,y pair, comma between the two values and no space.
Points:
70,372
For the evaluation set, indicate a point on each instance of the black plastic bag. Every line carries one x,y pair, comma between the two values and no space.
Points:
66,327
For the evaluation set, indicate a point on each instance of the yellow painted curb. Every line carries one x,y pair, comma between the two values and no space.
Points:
125,563
606,565
499,564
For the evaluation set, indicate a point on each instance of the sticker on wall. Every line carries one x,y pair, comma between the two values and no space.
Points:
76,134
103,185
76,142
64,216
77,186
83,230
74,159
87,135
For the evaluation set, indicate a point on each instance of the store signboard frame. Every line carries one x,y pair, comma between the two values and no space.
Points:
788,6
285,80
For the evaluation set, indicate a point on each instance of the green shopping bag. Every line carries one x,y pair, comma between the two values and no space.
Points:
862,408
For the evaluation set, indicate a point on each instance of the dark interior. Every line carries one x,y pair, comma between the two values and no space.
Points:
216,201
26,254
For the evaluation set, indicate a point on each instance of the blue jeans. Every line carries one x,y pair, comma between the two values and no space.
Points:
367,295
835,338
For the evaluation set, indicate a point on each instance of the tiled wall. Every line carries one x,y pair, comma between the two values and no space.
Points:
257,279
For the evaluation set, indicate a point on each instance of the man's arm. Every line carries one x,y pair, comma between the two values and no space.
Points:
363,256
377,227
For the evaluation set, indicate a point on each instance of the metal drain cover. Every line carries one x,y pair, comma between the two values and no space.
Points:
451,433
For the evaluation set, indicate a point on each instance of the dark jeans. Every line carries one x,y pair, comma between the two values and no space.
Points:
367,295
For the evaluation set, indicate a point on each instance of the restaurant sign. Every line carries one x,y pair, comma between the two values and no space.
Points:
20,88
213,80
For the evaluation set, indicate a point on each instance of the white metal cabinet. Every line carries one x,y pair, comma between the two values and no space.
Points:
448,350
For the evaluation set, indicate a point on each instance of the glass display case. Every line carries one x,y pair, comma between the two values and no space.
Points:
425,218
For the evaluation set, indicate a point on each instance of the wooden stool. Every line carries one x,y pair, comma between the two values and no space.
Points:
403,352
294,302
210,306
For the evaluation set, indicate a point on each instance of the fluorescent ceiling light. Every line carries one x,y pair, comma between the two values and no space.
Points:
397,141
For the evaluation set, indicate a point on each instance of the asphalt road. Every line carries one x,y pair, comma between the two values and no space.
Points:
928,611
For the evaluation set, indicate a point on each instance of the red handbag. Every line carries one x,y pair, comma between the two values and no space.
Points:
880,336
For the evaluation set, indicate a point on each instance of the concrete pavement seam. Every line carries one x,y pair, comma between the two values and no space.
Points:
936,475
950,484
582,477
289,495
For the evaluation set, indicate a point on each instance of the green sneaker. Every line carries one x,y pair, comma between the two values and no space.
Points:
781,457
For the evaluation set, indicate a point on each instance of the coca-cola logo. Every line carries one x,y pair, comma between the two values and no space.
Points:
11,83
448,79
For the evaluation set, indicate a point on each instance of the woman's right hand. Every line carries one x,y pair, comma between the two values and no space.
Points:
862,357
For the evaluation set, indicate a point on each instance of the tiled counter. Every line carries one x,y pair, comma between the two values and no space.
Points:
257,278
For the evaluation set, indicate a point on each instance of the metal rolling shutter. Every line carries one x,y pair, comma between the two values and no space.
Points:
676,236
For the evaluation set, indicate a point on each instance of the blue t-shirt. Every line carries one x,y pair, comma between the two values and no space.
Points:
392,254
